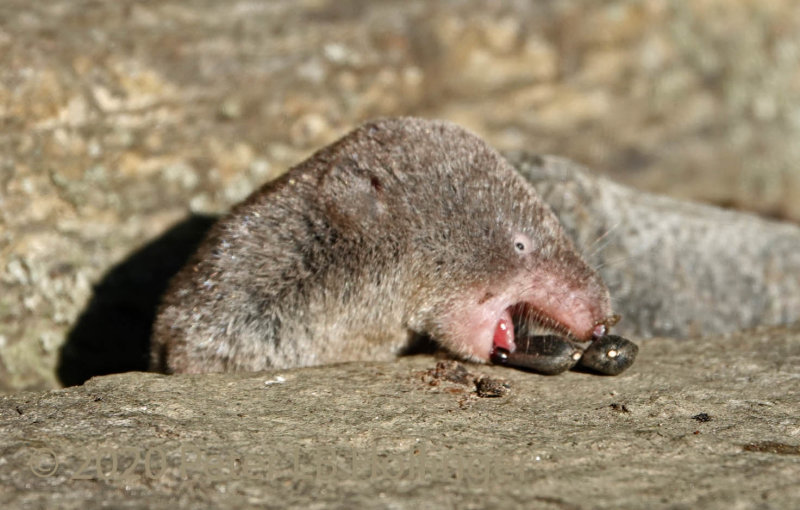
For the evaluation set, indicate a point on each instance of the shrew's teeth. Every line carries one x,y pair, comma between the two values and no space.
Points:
529,322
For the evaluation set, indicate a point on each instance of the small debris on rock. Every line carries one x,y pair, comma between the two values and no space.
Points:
491,387
702,417
772,447
620,408
278,380
449,370
454,372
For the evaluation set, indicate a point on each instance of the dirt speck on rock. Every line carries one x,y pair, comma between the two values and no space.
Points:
453,372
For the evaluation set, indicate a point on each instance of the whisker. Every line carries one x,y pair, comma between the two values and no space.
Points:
614,262
594,243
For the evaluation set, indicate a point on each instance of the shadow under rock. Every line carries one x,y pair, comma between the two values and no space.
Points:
113,333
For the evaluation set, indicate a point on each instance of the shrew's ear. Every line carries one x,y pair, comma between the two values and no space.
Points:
353,196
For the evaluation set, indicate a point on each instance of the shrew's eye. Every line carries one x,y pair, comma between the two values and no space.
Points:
522,244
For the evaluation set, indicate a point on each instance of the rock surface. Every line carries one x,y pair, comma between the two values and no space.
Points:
712,423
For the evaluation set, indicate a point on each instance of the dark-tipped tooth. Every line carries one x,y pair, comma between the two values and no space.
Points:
546,354
499,356
609,355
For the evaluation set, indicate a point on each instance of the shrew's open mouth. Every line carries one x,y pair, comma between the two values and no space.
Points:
522,320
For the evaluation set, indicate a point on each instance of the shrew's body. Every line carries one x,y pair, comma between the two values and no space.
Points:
403,227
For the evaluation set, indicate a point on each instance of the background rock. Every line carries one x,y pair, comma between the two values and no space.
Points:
674,268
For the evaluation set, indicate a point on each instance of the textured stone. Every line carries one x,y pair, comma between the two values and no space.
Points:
711,423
